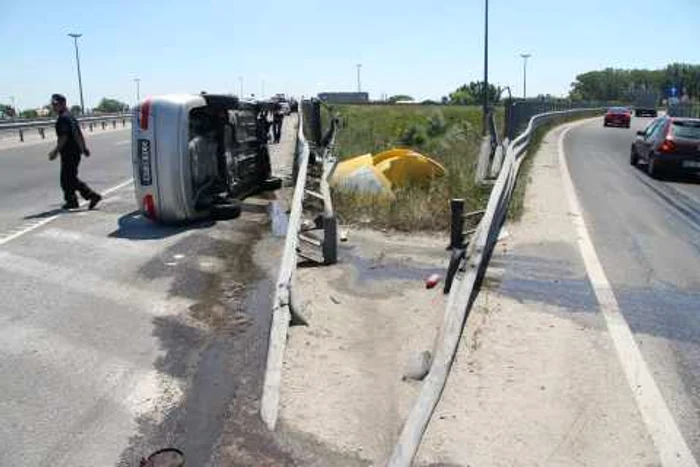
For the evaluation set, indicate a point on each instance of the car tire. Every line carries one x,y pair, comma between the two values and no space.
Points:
227,211
652,167
634,157
605,124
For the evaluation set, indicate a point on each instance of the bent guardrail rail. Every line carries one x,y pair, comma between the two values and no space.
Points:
313,167
466,288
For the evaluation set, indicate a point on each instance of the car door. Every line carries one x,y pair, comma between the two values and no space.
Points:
645,142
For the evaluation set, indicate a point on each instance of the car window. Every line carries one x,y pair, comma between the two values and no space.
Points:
648,131
686,129
658,129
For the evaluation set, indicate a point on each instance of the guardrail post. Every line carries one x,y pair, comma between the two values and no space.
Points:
330,239
21,135
315,131
41,133
114,124
91,127
103,125
456,223
123,122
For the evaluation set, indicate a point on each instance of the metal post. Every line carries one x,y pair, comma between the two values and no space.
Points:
21,135
240,87
525,57
485,90
359,81
80,79
456,223
138,89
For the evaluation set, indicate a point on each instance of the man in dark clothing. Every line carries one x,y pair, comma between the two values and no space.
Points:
70,146
277,118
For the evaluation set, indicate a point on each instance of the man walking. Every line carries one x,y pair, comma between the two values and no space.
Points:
70,146
277,118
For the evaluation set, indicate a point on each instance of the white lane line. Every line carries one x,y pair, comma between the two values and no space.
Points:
668,439
121,143
33,225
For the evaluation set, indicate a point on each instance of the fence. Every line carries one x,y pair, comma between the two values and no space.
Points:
470,267
684,110
314,238
519,112
89,123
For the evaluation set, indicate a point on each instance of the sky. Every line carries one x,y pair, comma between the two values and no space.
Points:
421,48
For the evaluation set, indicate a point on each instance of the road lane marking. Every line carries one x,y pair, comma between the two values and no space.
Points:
33,225
667,437
121,143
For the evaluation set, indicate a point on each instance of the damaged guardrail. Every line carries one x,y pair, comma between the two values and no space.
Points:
311,234
472,253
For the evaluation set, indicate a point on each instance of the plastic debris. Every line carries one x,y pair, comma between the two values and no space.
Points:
432,281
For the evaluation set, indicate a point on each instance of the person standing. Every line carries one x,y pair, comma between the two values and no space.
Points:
70,145
277,119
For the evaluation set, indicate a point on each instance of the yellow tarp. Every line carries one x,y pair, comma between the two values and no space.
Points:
386,171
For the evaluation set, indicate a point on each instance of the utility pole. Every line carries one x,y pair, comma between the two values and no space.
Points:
485,90
525,57
240,87
138,89
80,79
359,81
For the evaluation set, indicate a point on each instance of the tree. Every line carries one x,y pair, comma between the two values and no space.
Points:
29,113
75,110
7,111
472,94
107,105
398,98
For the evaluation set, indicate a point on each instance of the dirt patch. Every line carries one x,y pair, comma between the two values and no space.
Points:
368,316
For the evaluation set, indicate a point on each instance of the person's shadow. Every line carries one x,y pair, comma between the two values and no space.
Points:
47,214
134,226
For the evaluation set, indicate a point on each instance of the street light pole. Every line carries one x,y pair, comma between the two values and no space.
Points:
525,57
485,90
240,87
14,107
138,89
80,79
359,81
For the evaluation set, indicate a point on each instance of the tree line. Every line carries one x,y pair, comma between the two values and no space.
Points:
613,84
106,105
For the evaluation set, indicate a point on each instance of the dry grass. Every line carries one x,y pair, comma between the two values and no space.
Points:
450,135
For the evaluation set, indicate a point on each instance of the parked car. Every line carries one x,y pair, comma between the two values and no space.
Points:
668,143
194,156
618,116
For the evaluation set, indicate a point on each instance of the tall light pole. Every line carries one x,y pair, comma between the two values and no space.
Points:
525,57
485,90
262,88
359,81
240,87
14,107
138,89
80,79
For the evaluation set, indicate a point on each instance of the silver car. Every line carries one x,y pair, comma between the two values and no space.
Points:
194,156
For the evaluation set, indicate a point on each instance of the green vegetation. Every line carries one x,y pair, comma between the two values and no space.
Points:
473,94
620,85
29,113
111,106
400,97
449,134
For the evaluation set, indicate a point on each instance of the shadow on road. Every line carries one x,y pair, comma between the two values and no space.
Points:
133,226
46,214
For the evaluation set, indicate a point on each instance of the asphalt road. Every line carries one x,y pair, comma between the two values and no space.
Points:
29,182
647,235
119,337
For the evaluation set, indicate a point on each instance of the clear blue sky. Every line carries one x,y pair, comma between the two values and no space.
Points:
422,48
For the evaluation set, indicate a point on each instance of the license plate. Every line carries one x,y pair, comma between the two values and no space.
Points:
691,164
145,174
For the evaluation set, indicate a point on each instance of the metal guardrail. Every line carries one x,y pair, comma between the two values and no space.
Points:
471,268
85,122
313,167
684,110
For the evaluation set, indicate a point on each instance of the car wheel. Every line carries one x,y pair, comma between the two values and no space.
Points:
634,158
227,211
652,167
605,124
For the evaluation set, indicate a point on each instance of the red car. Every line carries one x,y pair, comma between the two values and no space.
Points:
668,143
618,116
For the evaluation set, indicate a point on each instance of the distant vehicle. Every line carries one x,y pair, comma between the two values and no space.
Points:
645,103
194,156
668,143
618,116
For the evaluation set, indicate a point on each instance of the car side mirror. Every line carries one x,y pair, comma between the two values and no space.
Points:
641,133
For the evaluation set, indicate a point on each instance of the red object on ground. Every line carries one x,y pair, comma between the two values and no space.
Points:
432,281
